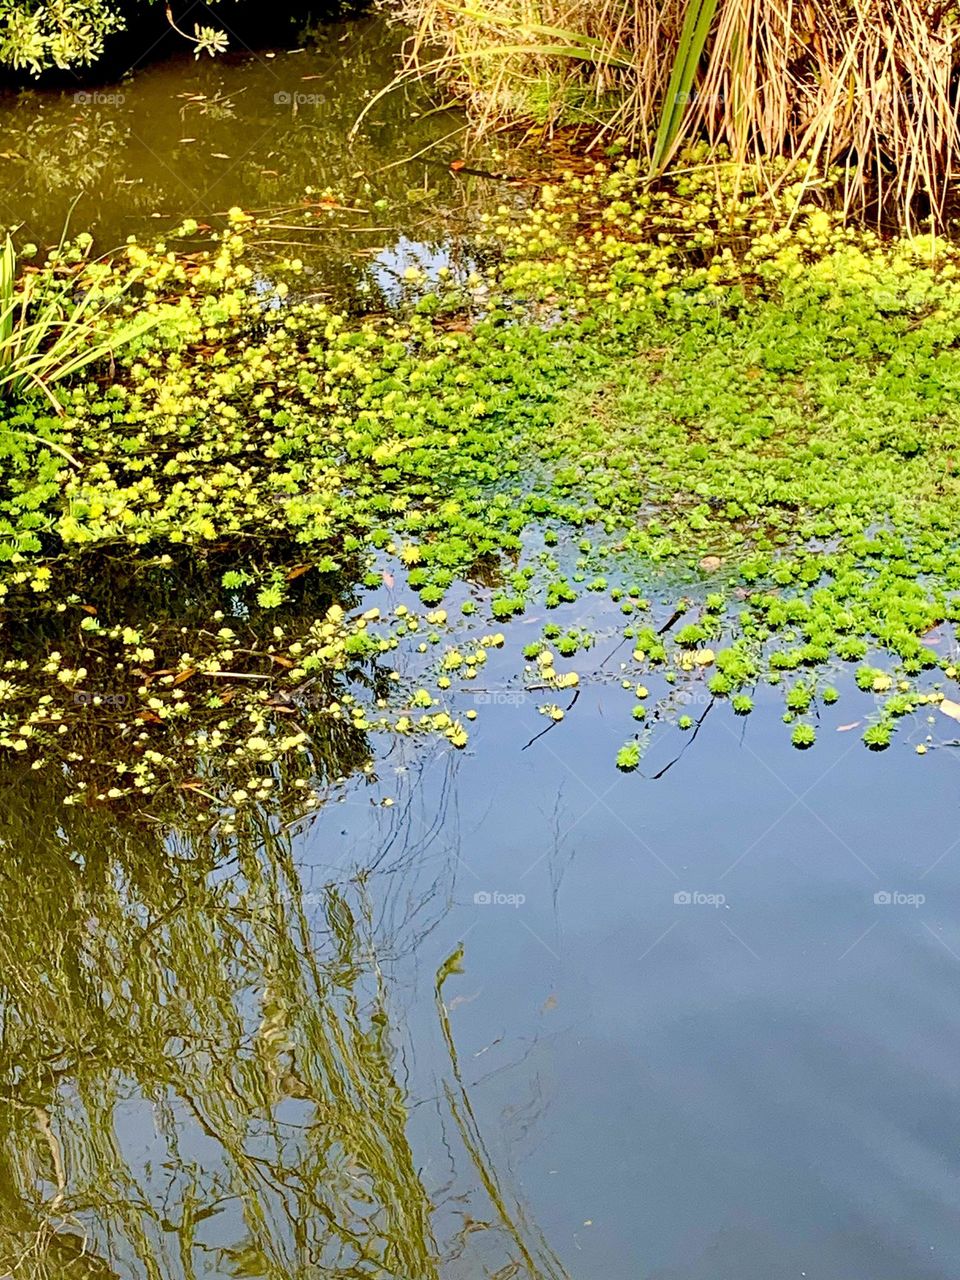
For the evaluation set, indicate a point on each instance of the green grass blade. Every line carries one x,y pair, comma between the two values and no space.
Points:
8,268
697,22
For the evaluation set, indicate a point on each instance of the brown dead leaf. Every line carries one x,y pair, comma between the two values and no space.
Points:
281,662
184,676
298,571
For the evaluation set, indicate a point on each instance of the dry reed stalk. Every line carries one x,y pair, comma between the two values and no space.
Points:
868,84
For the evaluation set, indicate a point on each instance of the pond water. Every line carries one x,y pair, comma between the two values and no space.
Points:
490,1013
266,130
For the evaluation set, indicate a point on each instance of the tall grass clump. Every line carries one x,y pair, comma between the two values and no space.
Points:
47,335
870,85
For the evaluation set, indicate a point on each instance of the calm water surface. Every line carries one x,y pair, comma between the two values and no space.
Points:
705,1026
271,130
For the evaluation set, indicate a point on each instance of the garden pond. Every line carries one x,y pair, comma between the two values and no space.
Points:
486,1005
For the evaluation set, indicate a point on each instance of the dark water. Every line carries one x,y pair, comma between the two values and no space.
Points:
266,130
707,1025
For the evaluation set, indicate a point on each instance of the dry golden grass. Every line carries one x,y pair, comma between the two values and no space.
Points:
870,84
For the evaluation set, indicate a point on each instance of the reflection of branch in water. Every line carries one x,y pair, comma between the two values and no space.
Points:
546,1264
182,999
552,725
556,863
270,1070
690,740
399,848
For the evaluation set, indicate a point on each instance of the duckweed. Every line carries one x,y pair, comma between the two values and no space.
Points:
739,428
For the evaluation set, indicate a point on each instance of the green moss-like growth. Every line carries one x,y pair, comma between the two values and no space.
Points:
759,444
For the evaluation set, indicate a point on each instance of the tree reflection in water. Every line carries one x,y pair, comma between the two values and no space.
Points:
200,1072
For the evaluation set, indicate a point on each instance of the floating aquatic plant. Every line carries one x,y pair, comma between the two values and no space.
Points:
741,425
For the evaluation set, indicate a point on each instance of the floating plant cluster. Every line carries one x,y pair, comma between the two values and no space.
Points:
734,422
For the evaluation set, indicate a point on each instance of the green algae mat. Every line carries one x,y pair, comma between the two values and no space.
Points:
729,424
